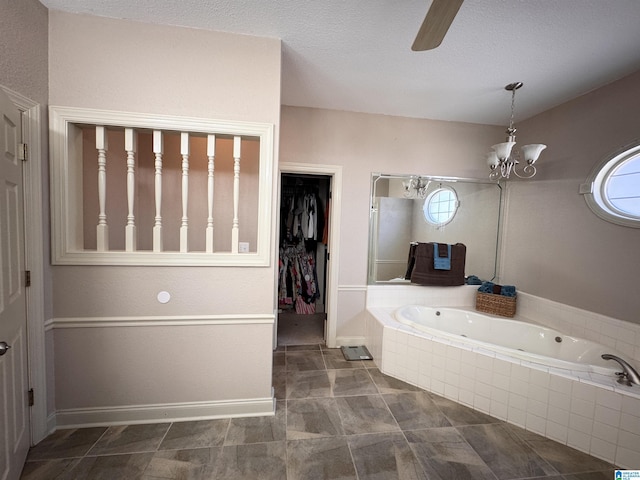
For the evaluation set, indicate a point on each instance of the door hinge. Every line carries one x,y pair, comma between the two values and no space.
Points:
31,397
23,152
27,278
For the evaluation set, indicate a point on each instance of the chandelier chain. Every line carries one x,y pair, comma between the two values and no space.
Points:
513,104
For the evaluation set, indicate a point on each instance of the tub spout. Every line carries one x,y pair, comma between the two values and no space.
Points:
629,375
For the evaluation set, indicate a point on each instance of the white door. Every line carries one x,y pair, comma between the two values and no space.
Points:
14,408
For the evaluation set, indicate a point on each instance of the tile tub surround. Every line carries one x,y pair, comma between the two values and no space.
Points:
617,334
334,420
590,413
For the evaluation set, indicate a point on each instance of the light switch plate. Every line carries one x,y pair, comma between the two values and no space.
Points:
243,247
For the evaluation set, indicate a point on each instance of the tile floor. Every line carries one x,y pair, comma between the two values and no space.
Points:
334,420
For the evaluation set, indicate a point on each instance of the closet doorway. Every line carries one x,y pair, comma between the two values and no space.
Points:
305,279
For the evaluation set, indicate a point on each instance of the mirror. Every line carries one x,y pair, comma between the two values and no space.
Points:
411,208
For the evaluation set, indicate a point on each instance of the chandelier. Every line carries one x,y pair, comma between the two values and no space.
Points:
503,159
415,187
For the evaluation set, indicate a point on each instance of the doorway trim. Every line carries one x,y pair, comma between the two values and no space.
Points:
34,261
335,172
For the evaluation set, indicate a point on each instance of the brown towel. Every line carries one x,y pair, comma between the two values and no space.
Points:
411,261
423,272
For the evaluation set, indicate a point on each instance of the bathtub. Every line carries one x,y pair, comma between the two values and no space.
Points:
512,369
513,338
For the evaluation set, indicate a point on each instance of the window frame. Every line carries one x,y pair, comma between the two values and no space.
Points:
595,187
427,203
65,194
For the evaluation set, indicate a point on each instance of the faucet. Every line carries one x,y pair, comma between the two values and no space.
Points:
629,375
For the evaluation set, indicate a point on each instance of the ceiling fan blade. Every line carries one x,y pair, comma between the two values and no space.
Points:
436,23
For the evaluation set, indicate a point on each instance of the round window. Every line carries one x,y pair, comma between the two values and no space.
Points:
440,206
612,190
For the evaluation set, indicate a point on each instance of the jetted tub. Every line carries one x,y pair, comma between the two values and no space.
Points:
514,338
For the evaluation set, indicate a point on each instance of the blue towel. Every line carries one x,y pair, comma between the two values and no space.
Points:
486,287
441,263
473,280
508,291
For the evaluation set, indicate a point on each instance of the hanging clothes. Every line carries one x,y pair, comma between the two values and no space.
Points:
301,227
298,279
301,215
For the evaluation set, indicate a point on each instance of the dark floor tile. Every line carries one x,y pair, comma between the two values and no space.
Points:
67,443
335,360
415,410
444,455
505,453
245,430
195,434
365,414
308,384
320,459
604,475
280,385
351,382
387,384
110,467
304,361
384,456
313,418
181,464
48,469
459,414
526,435
369,364
553,477
130,439
279,362
566,459
259,461
298,348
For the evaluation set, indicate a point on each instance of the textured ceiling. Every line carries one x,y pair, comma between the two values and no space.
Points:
356,54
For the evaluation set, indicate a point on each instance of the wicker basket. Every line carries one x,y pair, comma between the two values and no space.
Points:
496,304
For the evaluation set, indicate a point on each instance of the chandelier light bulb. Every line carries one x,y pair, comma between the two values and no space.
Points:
503,150
492,159
532,152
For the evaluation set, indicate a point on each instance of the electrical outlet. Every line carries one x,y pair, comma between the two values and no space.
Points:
243,247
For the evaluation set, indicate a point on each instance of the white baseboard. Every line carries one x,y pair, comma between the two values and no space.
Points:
137,414
51,425
348,341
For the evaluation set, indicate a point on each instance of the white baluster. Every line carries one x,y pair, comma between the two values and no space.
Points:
102,230
184,226
211,154
130,146
157,227
236,194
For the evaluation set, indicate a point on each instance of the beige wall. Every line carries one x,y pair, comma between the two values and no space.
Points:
120,65
362,144
555,246
23,54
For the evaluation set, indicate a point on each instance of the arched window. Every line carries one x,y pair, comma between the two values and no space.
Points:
612,190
